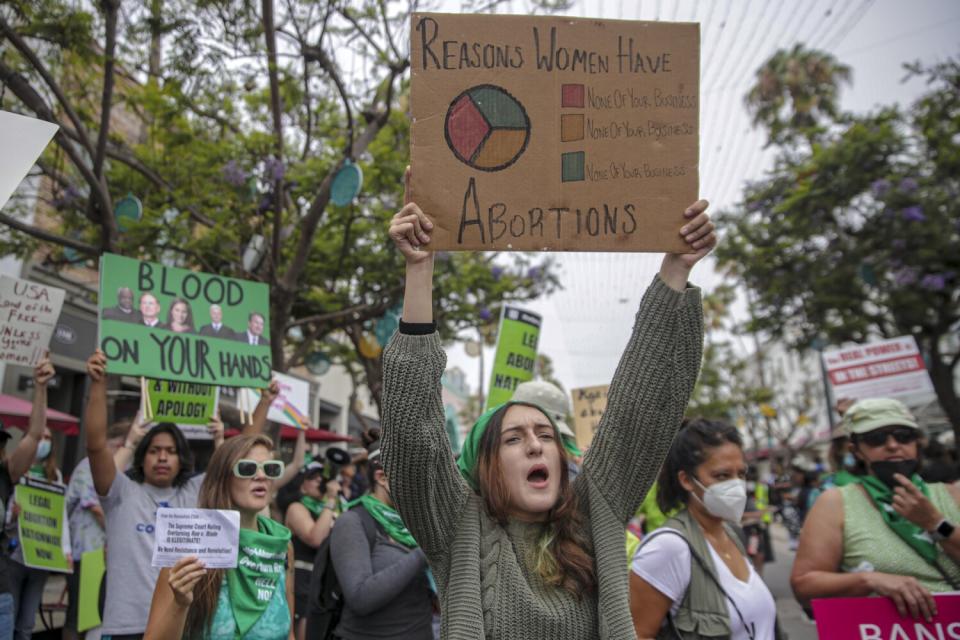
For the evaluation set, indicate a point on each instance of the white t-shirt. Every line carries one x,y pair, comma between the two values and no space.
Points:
664,562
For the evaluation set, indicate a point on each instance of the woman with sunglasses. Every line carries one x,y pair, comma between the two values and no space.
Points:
253,601
888,532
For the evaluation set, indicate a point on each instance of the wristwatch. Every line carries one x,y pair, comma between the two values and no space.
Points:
943,531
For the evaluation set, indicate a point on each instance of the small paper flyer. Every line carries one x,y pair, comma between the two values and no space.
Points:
212,535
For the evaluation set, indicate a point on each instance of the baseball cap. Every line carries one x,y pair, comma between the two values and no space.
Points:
875,413
549,398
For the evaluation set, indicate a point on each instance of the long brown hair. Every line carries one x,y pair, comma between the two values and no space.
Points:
564,558
215,494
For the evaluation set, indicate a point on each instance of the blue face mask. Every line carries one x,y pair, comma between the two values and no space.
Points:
43,450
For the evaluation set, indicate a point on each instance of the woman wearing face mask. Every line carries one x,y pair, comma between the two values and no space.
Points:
191,602
868,537
517,550
692,578
26,584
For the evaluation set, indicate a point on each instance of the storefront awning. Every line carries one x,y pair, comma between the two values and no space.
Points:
15,412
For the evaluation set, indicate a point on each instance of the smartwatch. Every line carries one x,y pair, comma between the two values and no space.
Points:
943,531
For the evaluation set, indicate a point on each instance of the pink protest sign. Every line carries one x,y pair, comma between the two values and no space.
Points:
877,619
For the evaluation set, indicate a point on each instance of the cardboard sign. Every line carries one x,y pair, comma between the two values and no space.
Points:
212,535
877,619
889,368
292,406
589,403
179,402
93,566
41,526
28,318
516,353
536,133
24,139
174,324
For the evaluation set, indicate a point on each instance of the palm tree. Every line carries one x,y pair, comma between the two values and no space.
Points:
796,93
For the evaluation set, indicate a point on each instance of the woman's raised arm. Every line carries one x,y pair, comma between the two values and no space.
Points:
424,482
655,377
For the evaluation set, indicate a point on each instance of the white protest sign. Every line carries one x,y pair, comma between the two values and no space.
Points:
28,317
292,406
212,535
24,139
888,368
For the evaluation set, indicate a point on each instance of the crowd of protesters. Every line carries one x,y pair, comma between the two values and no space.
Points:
523,535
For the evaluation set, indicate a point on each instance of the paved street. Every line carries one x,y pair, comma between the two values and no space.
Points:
777,576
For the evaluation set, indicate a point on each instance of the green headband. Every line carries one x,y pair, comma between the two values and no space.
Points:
470,453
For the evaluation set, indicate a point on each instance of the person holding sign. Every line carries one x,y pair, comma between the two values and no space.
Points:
692,578
887,532
16,591
254,601
518,550
160,476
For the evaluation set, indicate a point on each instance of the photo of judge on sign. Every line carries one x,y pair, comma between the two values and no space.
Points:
216,328
124,311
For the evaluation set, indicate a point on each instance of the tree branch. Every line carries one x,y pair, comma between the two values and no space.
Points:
35,102
41,69
47,236
375,309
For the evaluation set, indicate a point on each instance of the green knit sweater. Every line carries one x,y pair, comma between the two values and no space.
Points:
487,586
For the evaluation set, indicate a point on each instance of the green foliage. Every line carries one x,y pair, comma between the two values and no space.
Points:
857,237
193,133
796,93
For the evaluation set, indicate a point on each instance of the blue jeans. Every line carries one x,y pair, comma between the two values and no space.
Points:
6,616
27,587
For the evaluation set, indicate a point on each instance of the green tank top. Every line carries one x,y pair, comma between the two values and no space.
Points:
870,545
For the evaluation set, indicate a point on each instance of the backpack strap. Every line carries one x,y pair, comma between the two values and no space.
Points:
370,526
706,569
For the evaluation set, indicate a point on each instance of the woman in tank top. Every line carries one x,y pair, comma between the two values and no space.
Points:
887,533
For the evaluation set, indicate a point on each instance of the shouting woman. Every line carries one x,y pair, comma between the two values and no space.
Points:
517,550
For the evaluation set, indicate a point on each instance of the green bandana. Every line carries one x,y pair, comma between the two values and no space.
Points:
314,506
470,453
388,518
261,563
882,497
843,477
571,446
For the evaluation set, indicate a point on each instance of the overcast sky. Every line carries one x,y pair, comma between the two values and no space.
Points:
587,325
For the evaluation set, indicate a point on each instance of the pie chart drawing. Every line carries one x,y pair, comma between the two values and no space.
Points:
487,128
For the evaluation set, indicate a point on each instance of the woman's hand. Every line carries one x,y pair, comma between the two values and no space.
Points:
700,234
183,578
910,503
215,429
410,228
333,490
97,367
908,595
44,371
270,393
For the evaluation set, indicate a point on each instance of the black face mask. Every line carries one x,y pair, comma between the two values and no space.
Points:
885,470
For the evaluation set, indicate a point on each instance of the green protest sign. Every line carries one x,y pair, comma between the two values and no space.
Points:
92,570
515,355
180,402
175,324
44,538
